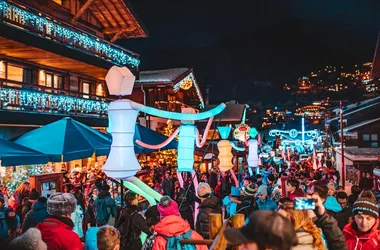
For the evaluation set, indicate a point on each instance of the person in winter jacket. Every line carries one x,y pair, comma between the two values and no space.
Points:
172,225
343,217
331,232
264,202
27,205
167,185
77,218
208,205
104,206
232,201
364,231
21,192
36,215
9,221
308,234
57,229
30,240
293,189
130,237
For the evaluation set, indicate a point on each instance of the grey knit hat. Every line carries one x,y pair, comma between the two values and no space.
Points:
204,190
61,203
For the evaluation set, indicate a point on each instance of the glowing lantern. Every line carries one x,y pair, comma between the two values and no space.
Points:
225,149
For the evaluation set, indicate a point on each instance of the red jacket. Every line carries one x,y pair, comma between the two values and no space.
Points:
58,234
360,241
297,193
170,226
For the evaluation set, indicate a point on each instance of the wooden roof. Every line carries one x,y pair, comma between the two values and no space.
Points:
117,19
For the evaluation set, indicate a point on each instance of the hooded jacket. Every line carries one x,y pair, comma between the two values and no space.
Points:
36,215
362,241
305,241
57,233
208,206
171,226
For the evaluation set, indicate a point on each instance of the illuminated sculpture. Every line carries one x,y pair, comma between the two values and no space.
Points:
253,157
225,149
188,135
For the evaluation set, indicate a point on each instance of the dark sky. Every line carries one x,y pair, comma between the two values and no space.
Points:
233,44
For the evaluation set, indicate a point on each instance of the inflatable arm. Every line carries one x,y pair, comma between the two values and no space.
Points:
161,145
234,177
137,190
236,147
178,116
204,137
144,187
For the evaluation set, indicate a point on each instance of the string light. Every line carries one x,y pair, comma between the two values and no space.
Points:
64,35
45,102
17,178
185,82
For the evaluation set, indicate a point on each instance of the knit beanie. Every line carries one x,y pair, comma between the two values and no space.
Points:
34,195
61,203
167,207
251,189
262,190
204,190
366,206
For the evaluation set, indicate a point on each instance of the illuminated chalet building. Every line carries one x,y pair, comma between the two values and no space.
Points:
175,90
54,56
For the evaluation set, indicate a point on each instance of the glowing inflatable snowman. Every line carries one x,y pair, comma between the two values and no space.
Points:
253,158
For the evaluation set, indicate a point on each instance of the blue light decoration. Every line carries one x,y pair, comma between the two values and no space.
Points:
225,149
45,102
190,77
253,157
45,26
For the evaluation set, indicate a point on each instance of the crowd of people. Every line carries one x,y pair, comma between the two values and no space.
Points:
90,214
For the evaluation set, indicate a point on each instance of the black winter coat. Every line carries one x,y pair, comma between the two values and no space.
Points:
208,206
167,187
333,235
36,215
343,217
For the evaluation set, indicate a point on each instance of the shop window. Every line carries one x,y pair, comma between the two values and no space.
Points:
15,73
86,90
373,137
374,144
99,89
365,137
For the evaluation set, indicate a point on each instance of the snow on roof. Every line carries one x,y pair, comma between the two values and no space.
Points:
232,112
354,111
169,76
358,125
356,105
355,153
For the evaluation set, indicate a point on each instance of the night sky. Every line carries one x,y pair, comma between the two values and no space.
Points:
233,45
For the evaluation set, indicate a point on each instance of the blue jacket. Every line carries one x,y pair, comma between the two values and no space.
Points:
7,223
332,204
267,204
36,215
91,240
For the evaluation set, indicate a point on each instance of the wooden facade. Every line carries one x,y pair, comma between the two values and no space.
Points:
54,55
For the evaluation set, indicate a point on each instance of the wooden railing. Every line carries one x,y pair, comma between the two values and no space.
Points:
217,228
22,96
33,21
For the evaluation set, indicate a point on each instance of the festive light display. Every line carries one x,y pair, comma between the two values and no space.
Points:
64,34
241,132
17,178
253,158
139,191
293,133
27,99
225,149
185,85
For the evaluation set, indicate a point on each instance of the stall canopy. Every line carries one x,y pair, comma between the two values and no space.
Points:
152,137
13,154
66,140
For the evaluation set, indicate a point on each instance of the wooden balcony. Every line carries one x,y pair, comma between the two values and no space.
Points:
31,21
39,99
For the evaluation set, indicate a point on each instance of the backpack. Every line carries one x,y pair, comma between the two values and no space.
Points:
173,243
102,214
124,226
